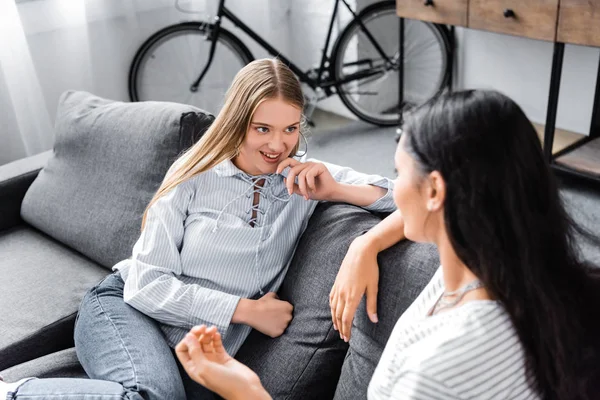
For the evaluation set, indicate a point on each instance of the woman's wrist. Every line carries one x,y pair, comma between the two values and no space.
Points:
252,391
385,234
358,195
368,242
338,193
243,312
258,392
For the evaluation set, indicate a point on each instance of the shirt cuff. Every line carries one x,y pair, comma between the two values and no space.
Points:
386,202
217,311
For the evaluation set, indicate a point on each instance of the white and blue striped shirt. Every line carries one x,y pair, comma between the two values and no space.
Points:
468,352
198,253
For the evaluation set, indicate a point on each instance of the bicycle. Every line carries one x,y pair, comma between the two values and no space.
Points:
363,67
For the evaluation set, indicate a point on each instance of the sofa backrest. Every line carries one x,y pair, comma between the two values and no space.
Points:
310,361
109,159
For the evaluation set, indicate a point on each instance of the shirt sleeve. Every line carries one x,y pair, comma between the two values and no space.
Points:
349,176
153,285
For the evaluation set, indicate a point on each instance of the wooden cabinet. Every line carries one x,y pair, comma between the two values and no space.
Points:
565,21
560,21
534,19
451,12
579,22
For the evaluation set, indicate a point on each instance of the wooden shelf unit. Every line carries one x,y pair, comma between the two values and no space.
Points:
562,138
583,159
558,21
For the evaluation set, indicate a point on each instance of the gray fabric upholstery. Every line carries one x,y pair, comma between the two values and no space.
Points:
306,361
404,271
41,287
62,364
15,179
109,159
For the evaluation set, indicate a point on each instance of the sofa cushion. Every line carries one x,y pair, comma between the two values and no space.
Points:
62,364
42,284
15,179
404,271
305,362
109,159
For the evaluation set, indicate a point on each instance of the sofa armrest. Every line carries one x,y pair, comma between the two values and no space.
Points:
15,179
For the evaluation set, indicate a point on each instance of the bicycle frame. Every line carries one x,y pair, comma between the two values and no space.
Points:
324,66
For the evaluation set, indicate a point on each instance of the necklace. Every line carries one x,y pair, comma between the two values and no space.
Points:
444,303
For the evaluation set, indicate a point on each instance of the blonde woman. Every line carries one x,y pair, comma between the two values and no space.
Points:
215,245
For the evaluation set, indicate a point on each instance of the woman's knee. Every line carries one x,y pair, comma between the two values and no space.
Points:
113,340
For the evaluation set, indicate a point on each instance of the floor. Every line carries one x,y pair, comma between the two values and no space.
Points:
370,149
356,144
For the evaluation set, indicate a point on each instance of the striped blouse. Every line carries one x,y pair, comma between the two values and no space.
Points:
198,254
469,352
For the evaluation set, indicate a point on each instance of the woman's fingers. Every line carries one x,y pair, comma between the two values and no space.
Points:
190,355
339,311
372,302
333,305
207,340
197,363
302,184
290,180
288,162
218,343
310,179
198,330
182,352
347,318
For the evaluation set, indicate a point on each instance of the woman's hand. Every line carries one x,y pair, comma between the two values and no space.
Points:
315,182
359,274
206,361
268,315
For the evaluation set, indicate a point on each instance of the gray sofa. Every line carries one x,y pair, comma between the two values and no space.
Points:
68,215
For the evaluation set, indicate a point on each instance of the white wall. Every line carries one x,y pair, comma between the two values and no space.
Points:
89,44
521,68
518,67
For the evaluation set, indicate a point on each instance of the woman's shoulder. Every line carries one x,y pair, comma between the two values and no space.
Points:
204,179
479,324
478,334
473,347
475,320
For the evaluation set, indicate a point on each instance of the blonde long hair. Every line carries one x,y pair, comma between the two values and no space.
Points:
258,81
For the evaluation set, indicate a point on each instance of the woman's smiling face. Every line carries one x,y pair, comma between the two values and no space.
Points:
273,134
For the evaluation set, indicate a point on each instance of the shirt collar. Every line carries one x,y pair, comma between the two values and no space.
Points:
227,168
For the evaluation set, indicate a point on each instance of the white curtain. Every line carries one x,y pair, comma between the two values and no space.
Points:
25,127
49,46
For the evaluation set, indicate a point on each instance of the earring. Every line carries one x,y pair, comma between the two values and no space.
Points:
306,146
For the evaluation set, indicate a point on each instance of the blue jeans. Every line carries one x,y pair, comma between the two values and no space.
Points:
124,353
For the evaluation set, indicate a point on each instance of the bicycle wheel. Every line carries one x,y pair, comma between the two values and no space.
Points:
167,64
371,89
